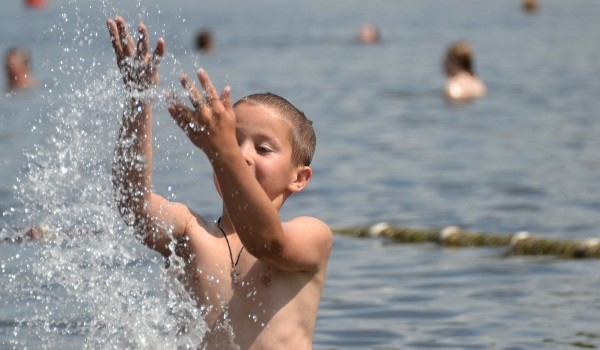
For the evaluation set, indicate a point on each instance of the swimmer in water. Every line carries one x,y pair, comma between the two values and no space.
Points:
205,41
18,70
462,82
368,34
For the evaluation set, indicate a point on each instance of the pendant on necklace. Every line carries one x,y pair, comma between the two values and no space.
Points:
234,272
234,275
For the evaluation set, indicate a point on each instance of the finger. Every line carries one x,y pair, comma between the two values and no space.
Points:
157,55
143,45
226,98
159,52
180,115
211,93
114,37
195,96
126,39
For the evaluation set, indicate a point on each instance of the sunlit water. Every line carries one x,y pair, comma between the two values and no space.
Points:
389,149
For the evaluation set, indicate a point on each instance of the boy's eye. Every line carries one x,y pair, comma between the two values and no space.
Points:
263,150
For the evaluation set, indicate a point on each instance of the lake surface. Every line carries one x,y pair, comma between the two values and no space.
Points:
390,148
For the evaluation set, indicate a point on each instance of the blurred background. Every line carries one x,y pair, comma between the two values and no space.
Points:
391,148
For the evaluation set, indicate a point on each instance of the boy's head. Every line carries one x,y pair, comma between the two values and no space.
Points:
303,138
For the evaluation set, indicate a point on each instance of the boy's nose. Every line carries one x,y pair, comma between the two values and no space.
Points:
247,152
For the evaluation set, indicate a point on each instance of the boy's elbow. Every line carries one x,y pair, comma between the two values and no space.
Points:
131,203
141,223
128,215
132,210
269,250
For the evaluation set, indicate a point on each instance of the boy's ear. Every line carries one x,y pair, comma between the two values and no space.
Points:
299,182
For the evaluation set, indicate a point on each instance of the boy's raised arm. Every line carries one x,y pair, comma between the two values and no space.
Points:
151,215
302,244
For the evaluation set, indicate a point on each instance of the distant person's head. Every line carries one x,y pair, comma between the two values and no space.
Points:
39,4
204,40
459,58
17,65
530,6
368,34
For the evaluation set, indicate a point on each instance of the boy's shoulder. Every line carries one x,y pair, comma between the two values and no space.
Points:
197,223
308,223
310,232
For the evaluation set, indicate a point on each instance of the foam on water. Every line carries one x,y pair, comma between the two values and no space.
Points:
90,282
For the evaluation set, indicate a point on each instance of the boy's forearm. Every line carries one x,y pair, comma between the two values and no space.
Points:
132,162
250,210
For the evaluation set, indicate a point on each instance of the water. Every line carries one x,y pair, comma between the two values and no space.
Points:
389,149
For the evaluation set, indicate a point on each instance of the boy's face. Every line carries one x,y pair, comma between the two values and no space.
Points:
265,141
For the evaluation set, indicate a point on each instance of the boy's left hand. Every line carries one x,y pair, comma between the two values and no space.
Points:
211,124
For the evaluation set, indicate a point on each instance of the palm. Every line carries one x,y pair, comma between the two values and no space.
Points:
138,68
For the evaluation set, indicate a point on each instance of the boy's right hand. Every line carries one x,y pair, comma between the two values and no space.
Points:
138,68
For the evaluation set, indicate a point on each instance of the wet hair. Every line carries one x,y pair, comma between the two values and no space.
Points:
460,53
304,140
530,6
204,40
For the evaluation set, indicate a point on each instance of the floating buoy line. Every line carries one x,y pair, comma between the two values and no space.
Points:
520,243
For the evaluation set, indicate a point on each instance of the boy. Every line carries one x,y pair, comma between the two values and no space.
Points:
260,278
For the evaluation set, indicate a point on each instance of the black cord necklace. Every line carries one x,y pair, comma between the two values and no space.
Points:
234,272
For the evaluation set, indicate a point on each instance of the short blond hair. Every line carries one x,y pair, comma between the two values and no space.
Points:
304,140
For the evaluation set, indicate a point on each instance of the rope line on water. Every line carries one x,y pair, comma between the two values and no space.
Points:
521,243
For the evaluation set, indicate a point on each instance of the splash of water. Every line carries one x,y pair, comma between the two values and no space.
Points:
89,283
